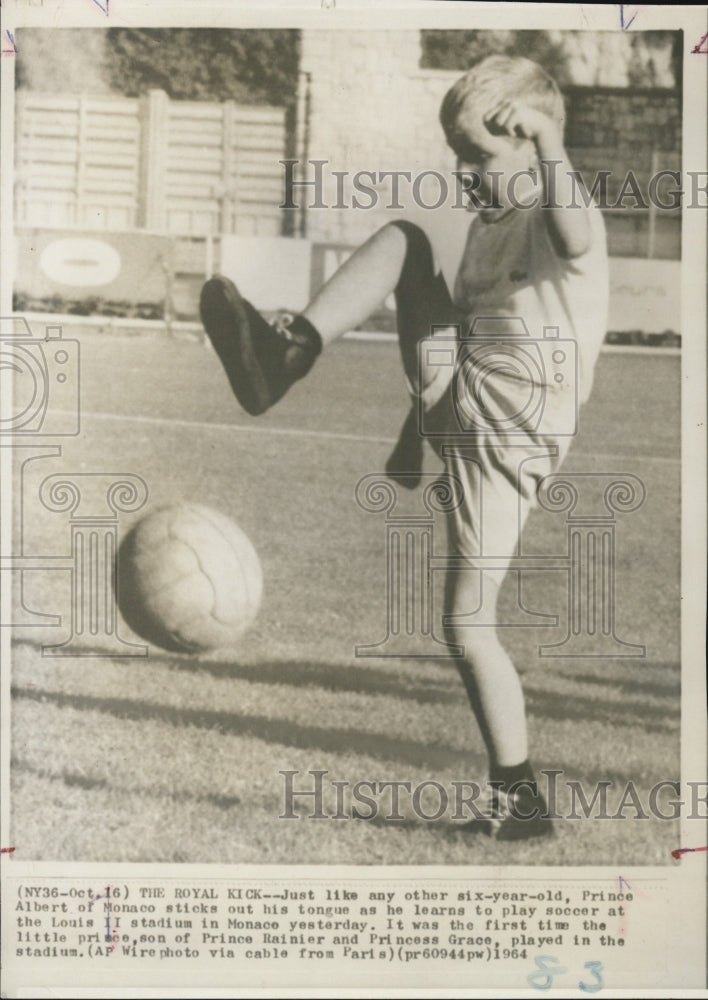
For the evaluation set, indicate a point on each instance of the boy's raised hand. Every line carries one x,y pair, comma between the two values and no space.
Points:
517,119
569,230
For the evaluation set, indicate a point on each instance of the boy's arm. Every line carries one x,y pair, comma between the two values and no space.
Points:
568,227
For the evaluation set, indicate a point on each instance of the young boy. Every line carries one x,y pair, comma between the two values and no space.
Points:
530,252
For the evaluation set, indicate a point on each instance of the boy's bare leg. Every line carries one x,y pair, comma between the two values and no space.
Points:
360,285
517,810
398,258
489,676
263,360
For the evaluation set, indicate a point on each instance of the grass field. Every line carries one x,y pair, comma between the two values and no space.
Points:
176,758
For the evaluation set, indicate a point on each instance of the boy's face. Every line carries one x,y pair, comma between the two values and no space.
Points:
495,159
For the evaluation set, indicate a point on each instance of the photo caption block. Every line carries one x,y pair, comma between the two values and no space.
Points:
533,932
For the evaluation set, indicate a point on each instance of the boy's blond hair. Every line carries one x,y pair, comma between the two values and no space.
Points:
491,80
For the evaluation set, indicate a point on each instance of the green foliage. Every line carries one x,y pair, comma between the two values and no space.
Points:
642,71
250,66
460,49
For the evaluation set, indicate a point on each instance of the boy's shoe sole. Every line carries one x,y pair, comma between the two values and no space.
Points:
235,328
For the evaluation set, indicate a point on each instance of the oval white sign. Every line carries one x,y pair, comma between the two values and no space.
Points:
80,262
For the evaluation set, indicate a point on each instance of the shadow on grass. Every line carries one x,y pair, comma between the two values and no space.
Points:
281,731
448,689
388,823
672,689
83,781
572,707
371,680
292,734
445,688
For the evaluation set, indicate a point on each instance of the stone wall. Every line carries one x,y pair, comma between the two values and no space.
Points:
372,107
625,120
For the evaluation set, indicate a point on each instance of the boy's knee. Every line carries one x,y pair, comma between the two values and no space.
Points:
414,234
419,253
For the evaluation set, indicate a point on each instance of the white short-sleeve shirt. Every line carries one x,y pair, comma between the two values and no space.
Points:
505,420
510,268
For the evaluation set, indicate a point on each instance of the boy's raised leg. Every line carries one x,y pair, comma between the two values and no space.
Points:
397,259
360,285
262,360
422,303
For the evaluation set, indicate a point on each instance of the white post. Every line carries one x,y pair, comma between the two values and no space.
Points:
154,116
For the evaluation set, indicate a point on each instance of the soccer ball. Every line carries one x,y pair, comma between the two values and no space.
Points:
189,579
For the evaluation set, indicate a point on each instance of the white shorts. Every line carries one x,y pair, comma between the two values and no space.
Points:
499,472
499,484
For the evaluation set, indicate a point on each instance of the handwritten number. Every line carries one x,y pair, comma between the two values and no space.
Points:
547,969
595,969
